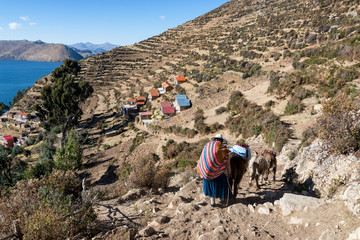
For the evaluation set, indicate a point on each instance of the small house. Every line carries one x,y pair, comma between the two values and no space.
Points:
165,86
168,111
182,102
178,80
140,101
111,133
154,94
8,141
132,101
128,109
145,115
22,116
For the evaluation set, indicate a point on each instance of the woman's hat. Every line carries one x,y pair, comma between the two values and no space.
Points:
219,137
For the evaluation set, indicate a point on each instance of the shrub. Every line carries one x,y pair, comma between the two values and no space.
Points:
69,157
340,126
145,174
220,110
269,103
292,155
51,208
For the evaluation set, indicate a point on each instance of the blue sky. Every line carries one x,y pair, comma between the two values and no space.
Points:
121,22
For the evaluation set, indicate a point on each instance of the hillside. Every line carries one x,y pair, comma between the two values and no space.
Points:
263,72
36,51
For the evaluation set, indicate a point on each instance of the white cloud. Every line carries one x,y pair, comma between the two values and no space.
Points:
25,18
1,28
14,26
32,23
163,17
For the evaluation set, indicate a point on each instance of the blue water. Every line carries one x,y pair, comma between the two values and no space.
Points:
18,75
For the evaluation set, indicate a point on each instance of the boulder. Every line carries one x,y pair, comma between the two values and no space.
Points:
292,202
131,195
355,235
264,210
351,197
147,231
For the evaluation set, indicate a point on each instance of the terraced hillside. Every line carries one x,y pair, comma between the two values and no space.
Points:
261,71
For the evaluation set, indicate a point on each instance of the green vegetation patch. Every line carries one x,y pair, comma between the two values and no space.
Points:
251,119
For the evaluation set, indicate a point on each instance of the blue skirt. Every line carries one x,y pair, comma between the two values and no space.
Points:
217,187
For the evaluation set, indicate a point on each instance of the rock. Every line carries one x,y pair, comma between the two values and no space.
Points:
351,197
251,208
296,221
154,224
264,210
201,203
132,194
184,208
292,202
269,205
327,235
155,210
237,209
163,219
147,231
353,14
355,235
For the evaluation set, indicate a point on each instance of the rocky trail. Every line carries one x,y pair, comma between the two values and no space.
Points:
272,212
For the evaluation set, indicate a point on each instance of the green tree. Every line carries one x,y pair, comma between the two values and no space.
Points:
8,164
19,95
69,157
3,107
45,162
61,101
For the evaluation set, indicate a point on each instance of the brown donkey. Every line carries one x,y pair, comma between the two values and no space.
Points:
236,169
261,164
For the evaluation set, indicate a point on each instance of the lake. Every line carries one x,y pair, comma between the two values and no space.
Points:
18,75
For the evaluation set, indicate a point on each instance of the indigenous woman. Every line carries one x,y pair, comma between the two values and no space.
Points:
211,166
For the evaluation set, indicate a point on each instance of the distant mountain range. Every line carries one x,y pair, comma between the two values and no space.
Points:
49,52
89,49
36,51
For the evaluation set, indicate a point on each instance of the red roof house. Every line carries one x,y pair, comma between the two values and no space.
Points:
178,80
140,101
140,98
132,101
166,86
168,110
154,93
145,115
8,141
165,104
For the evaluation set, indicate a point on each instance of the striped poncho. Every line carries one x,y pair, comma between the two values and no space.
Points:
213,160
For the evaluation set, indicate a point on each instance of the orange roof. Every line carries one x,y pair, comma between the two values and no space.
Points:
180,79
165,85
154,92
132,100
140,98
140,103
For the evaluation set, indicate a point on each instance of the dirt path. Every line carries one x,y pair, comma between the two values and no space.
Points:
185,213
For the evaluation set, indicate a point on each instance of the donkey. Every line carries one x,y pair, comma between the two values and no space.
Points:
260,166
236,169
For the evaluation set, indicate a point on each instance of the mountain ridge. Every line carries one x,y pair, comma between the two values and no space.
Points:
36,51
